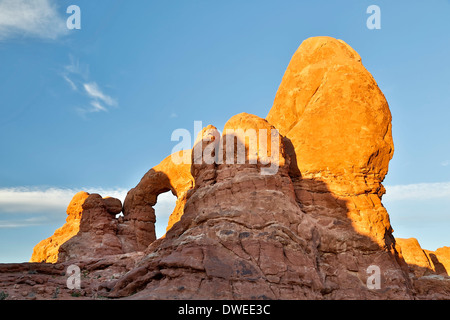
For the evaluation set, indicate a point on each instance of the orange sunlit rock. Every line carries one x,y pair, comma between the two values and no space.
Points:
332,111
314,228
415,256
47,250
422,261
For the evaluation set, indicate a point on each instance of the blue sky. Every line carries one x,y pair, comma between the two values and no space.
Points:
94,109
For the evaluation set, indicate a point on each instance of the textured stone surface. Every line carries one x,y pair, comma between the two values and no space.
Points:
91,230
425,262
311,229
48,281
323,206
47,250
331,110
98,232
244,235
139,215
238,231
441,260
417,258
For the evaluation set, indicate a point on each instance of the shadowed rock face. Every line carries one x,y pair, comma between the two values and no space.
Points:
310,229
245,235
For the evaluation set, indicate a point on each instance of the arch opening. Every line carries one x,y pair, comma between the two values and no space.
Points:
165,204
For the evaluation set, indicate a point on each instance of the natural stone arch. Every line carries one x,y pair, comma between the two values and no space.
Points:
139,214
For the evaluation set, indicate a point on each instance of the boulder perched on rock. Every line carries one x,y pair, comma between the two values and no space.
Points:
91,230
98,235
336,118
333,112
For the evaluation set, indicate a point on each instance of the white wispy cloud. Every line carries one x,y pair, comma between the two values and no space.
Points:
27,222
76,74
94,91
33,206
26,200
97,106
31,18
33,199
70,82
26,206
418,191
77,68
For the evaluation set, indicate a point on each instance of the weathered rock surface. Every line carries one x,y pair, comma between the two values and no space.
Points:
338,121
425,262
244,235
236,238
326,205
139,215
91,230
48,281
292,212
417,258
336,117
441,260
429,270
99,231
48,249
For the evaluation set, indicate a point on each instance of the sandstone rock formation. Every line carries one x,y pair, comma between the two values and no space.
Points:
287,207
237,237
417,259
243,232
425,262
338,121
91,230
336,117
139,215
441,260
48,281
99,231
48,249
